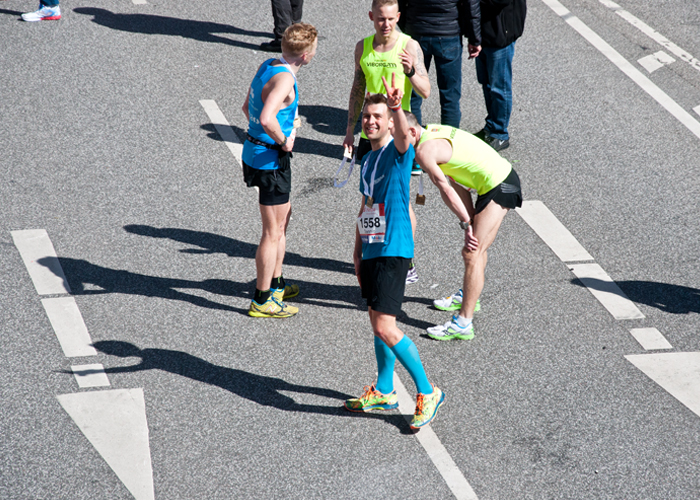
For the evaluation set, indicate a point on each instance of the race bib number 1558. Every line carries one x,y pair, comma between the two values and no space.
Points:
372,224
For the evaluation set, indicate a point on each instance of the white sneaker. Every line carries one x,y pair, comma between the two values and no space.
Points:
45,13
451,303
451,330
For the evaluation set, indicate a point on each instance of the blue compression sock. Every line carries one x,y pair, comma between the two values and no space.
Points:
385,366
407,353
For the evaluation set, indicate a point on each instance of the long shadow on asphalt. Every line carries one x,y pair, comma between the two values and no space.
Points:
674,299
160,25
11,13
84,276
208,243
260,389
301,144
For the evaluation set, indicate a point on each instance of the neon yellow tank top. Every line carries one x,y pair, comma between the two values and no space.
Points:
474,164
378,64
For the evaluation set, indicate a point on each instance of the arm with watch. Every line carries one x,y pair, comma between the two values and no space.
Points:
281,89
412,60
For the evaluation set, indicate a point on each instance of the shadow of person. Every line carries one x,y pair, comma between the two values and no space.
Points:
674,299
202,31
265,391
325,119
11,13
208,243
80,273
301,144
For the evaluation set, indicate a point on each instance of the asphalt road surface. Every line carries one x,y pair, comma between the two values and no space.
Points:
129,368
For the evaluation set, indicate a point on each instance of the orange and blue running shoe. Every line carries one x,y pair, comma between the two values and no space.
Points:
426,408
372,399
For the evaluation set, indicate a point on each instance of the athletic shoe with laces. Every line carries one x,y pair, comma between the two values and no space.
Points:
285,293
453,303
45,13
271,308
426,407
412,275
497,144
451,330
372,399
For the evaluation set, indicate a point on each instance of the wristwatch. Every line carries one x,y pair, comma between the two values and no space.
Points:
411,72
464,225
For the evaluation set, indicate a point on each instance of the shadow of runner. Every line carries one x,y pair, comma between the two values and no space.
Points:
674,299
202,31
81,272
260,389
215,243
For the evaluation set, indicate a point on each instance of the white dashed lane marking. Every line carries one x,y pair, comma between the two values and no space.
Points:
223,128
606,291
68,324
39,256
650,339
90,375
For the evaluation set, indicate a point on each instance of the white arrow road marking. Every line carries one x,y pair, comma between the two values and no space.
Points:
34,245
115,423
68,324
449,471
677,372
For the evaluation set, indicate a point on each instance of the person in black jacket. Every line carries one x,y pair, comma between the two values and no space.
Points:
502,23
437,25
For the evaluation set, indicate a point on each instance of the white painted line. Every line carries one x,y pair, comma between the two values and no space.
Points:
552,232
606,291
223,128
677,372
41,261
68,324
653,34
697,109
626,67
115,423
650,338
139,2
90,375
655,61
449,471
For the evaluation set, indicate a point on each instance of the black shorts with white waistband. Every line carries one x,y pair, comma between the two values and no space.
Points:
507,194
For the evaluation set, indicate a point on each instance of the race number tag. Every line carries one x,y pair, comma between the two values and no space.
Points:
372,224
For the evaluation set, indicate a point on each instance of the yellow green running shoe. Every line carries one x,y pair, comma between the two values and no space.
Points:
426,407
453,303
285,293
372,399
271,308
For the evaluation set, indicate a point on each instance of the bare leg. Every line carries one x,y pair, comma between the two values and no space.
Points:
270,253
485,226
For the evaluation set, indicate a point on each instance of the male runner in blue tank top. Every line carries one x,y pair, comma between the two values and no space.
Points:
383,250
271,109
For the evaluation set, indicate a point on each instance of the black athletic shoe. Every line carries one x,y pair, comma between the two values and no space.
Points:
496,144
273,46
481,134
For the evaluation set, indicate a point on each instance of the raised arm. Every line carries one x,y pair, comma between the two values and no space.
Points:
412,60
357,98
394,95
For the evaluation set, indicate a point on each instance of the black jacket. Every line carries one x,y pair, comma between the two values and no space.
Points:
502,22
441,18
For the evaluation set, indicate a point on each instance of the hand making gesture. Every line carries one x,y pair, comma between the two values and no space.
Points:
394,95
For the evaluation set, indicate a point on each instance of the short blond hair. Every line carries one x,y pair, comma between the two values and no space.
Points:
298,38
377,4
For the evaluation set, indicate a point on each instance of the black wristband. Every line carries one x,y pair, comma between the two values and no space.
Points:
411,73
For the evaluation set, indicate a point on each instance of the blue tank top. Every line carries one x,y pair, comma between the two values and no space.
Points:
256,156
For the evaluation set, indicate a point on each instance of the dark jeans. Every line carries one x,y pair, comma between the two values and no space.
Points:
447,52
285,13
494,70
49,3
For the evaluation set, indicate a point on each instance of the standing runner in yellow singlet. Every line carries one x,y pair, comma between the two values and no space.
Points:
444,153
386,52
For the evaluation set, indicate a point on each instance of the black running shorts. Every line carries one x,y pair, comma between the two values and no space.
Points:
274,185
507,194
384,282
